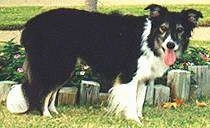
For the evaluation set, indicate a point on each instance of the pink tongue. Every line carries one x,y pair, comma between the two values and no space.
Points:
169,57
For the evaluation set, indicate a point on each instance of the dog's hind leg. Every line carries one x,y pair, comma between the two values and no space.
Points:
46,111
52,107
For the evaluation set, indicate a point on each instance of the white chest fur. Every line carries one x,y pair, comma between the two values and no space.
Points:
129,98
149,65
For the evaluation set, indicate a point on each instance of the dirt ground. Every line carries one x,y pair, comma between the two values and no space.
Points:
201,33
8,35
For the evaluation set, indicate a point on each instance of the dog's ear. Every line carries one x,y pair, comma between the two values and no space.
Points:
156,10
192,16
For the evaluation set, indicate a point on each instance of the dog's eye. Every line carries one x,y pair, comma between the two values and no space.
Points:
163,29
180,29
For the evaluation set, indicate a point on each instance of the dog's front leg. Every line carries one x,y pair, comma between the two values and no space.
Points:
131,109
141,93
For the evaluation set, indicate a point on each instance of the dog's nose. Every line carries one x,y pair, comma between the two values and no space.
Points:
170,45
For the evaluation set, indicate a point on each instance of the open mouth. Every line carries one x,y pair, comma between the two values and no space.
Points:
163,49
169,56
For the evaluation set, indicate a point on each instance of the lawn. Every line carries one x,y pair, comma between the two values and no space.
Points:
185,116
12,18
203,44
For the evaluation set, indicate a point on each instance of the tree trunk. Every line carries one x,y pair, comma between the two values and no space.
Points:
91,5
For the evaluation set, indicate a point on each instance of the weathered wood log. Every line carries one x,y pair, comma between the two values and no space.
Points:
157,94
202,77
161,94
179,82
103,98
89,92
67,96
150,93
5,87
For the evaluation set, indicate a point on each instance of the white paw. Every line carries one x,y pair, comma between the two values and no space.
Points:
53,109
47,114
132,116
140,115
136,119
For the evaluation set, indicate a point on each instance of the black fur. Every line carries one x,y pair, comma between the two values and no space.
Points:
110,44
54,40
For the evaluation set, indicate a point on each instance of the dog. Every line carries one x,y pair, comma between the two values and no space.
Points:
128,50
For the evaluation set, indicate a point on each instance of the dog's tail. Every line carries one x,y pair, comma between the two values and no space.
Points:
120,98
115,105
16,100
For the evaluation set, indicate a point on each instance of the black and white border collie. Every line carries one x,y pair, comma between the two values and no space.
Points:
129,50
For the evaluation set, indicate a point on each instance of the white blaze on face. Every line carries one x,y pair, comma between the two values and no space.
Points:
16,102
169,39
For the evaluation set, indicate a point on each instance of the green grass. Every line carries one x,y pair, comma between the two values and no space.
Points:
204,44
1,45
186,116
15,17
139,10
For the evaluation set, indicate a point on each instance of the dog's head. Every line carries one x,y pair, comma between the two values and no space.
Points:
170,31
